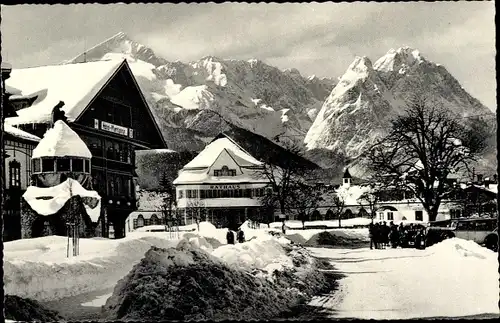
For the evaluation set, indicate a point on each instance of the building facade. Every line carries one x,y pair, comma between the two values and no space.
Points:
17,170
102,102
223,184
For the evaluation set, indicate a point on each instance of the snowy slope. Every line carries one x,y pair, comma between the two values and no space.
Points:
367,97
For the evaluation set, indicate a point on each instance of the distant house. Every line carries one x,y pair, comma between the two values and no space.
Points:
223,184
140,218
102,102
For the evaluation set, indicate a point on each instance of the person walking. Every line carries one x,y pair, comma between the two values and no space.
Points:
283,228
230,236
376,235
241,236
371,231
394,236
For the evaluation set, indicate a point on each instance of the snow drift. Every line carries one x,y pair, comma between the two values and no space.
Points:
187,283
38,268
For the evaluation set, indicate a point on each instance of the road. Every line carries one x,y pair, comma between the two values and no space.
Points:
405,284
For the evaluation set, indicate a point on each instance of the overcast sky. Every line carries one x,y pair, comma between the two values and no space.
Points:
320,39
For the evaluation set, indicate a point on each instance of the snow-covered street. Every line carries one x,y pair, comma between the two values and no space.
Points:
453,278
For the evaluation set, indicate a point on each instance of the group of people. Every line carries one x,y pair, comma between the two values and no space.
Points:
240,236
383,235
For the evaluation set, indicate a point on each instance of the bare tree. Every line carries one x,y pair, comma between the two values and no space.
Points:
197,209
338,203
305,199
370,198
422,148
287,179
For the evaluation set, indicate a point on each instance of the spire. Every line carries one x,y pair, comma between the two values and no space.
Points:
346,180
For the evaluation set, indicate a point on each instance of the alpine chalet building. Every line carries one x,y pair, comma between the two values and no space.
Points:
102,102
225,182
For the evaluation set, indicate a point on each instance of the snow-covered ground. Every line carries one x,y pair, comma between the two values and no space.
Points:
39,269
453,278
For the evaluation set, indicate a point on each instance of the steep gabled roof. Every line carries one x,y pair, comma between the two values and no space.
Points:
212,151
61,141
347,174
264,149
74,84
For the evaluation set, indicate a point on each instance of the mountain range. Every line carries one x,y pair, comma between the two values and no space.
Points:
332,119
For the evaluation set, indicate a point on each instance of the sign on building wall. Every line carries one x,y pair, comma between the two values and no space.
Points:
224,187
106,126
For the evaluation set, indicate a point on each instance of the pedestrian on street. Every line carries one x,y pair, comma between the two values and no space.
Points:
371,230
376,235
394,236
283,228
230,236
241,236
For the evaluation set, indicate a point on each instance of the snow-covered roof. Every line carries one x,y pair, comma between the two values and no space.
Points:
20,133
202,176
74,84
58,196
61,141
209,155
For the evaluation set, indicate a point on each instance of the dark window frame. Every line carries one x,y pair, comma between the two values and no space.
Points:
14,174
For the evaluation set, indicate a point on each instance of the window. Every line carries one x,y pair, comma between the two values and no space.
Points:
454,214
419,215
154,219
111,185
47,165
94,144
390,216
15,173
87,166
110,151
77,165
119,185
140,221
225,171
36,165
381,215
181,194
63,165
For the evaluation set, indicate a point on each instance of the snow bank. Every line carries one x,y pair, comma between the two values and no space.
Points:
38,268
186,283
346,223
55,197
262,254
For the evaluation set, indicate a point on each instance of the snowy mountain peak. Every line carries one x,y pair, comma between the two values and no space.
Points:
398,60
292,71
119,43
361,64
